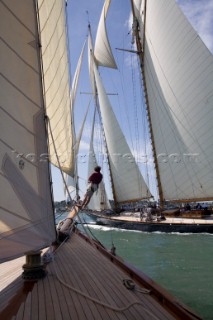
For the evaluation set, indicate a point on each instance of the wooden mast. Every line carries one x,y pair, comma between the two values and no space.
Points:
140,53
107,153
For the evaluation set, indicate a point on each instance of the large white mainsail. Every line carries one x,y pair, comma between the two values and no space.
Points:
178,71
56,75
27,221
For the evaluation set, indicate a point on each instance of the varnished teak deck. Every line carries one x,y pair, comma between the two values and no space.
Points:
79,266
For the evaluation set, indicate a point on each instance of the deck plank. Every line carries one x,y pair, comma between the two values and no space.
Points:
41,300
101,283
97,283
27,307
87,282
86,312
35,305
81,266
65,274
55,298
65,312
20,312
49,303
112,280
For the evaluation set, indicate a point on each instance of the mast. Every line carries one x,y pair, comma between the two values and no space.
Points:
140,53
99,199
127,178
108,161
95,93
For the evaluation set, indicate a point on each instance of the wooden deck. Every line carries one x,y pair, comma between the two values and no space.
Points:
86,282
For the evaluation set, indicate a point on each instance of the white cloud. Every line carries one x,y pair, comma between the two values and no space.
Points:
200,14
84,145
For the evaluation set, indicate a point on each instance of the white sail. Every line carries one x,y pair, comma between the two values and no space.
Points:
103,52
90,64
72,181
56,81
76,79
99,200
73,95
179,80
128,182
26,208
71,186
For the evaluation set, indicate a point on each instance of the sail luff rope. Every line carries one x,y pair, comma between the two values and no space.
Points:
135,107
145,128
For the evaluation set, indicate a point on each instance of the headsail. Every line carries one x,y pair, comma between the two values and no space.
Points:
76,79
56,81
179,81
128,182
27,221
103,53
99,200
72,181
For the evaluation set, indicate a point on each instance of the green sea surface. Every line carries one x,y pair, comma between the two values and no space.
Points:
181,263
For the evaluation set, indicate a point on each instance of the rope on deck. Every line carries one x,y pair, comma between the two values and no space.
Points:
106,305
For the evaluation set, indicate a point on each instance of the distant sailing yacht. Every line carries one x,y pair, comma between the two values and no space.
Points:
178,92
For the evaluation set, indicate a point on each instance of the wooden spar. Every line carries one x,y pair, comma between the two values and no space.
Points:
141,57
127,50
107,154
109,94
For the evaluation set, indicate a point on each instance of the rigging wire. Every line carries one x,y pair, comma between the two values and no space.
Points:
100,148
77,213
135,108
144,118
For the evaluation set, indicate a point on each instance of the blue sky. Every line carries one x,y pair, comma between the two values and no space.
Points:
126,105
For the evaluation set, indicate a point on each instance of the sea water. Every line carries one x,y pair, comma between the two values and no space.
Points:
181,263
